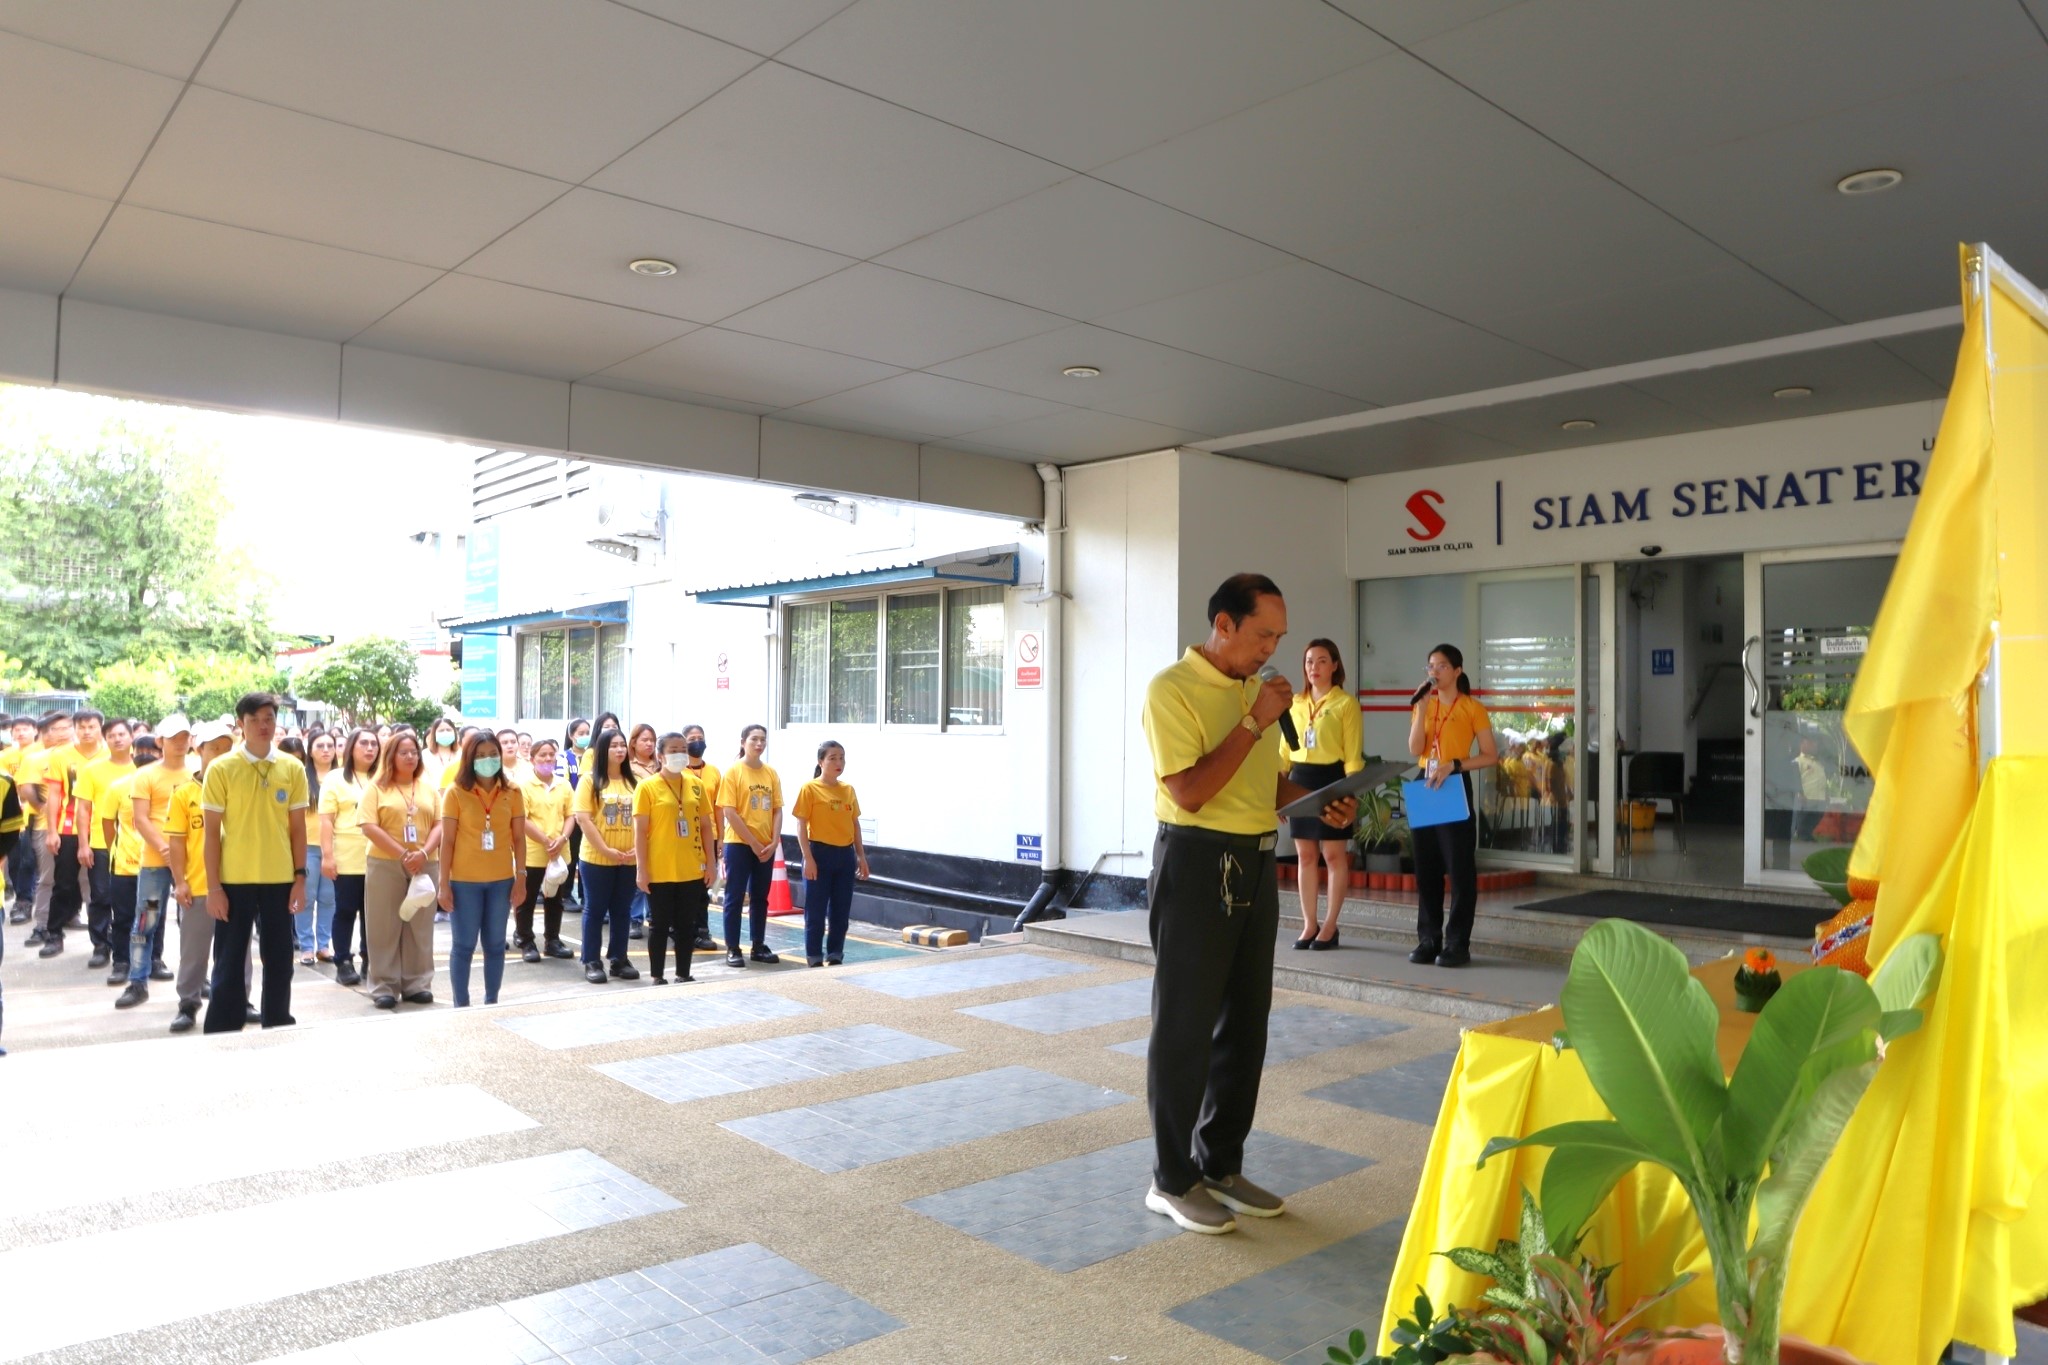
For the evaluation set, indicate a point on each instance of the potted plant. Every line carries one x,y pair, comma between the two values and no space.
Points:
1746,1149
1382,832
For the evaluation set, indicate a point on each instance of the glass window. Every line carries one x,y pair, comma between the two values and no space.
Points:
974,656
913,649
809,628
854,644
611,669
529,675
541,680
583,672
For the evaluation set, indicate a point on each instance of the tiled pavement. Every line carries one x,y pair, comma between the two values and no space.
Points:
965,974
1412,1090
1295,1312
1297,1031
653,1018
1068,1011
709,1071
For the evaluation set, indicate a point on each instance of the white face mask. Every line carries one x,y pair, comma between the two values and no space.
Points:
675,763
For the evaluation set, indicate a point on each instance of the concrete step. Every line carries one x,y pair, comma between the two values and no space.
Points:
1814,899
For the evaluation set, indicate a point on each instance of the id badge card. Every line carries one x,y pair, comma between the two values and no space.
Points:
1308,738
412,833
682,828
490,840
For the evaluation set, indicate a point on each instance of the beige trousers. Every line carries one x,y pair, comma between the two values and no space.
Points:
401,954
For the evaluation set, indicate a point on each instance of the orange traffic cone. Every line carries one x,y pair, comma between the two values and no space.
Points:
778,889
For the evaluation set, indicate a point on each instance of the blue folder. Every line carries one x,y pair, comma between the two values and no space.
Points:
1435,806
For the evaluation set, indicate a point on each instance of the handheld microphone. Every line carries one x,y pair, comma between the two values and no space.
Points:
1270,674
1421,692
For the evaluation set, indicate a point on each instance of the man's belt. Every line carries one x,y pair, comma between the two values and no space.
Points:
1243,843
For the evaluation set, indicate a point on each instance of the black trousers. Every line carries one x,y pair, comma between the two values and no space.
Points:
551,909
677,910
99,911
1452,849
350,925
1212,991
265,905
65,900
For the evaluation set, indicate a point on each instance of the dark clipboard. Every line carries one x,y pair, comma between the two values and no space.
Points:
1351,784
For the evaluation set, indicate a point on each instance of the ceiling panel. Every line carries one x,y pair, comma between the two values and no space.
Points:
1619,412
1842,379
559,87
164,36
1131,366
161,263
1080,82
788,154
46,234
1078,435
1407,23
1417,444
1083,248
1353,158
898,319
1625,83
1313,326
502,326
1932,354
1772,198
580,245
762,26
604,379
235,161
922,407
748,369
1236,400
75,122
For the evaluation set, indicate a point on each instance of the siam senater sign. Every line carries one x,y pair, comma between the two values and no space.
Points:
1834,480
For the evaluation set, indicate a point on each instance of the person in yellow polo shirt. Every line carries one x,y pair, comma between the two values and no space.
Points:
548,794
1331,730
344,850
1453,736
603,809
707,775
828,831
483,827
399,817
21,859
674,845
1215,904
750,805
48,827
115,762
149,802
113,819
255,800
183,835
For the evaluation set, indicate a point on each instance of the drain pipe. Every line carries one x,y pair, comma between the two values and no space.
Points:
1055,598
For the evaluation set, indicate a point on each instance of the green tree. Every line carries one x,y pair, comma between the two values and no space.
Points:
144,689
209,685
109,550
366,680
16,677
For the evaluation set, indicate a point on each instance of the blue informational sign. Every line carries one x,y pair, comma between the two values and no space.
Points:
480,677
479,598
1663,661
1031,848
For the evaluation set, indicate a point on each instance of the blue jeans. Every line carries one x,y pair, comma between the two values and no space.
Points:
828,900
607,899
318,916
745,874
480,910
146,939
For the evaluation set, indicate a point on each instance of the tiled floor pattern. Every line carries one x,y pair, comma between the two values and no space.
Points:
968,974
289,1246
743,1304
289,1137
845,1135
1073,1213
1066,1011
1297,1031
1412,1090
652,1018
680,1076
1294,1312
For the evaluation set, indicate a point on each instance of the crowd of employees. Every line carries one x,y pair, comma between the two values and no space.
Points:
348,846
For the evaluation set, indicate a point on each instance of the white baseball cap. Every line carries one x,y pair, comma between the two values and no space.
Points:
173,724
209,731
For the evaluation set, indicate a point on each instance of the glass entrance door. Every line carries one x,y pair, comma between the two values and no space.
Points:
1809,615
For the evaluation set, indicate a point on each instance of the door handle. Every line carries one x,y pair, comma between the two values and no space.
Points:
1754,685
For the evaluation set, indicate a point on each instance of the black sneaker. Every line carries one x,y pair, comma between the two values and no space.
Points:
529,954
251,1015
594,974
638,931
556,948
159,972
625,971
1453,957
384,1002
34,939
185,1020
1424,954
705,944
735,958
347,975
419,997
117,973
19,916
763,953
659,980
53,944
834,961
100,957
133,996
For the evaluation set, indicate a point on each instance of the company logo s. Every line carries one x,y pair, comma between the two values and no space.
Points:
1429,523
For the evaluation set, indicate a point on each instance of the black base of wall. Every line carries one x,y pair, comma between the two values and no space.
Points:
1011,883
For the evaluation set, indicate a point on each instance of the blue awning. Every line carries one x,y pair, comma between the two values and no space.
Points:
996,567
593,614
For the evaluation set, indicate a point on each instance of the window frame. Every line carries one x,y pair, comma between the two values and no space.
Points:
881,595
526,637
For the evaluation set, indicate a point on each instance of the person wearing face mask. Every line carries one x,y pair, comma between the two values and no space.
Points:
750,804
441,751
344,849
646,764
674,844
575,757
483,827
547,796
708,777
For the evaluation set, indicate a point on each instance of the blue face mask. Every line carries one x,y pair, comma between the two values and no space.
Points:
583,741
486,767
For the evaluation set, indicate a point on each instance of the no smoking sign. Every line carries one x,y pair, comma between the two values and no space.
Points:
1028,651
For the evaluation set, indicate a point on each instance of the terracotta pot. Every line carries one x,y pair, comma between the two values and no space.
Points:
1709,1348
1358,882
1407,881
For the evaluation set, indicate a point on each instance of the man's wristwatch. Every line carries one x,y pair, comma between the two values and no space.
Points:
1251,725
298,874
1457,765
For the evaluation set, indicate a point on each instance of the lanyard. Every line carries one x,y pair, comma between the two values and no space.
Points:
676,791
496,792
1444,714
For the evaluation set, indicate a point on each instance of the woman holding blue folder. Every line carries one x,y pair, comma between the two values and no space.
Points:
1446,727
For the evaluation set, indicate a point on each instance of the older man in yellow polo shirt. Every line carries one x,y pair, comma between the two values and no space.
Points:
255,802
1215,904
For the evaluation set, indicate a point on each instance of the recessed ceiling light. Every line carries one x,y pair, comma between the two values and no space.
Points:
1082,372
1871,181
1792,391
1578,424
650,265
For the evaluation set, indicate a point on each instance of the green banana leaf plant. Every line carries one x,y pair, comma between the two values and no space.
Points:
1751,1144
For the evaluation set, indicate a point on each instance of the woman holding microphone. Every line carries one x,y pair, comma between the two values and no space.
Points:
1452,736
1332,733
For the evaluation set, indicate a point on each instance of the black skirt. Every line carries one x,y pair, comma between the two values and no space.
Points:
1310,777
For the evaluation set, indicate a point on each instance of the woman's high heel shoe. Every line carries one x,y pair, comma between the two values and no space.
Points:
1324,944
1302,943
